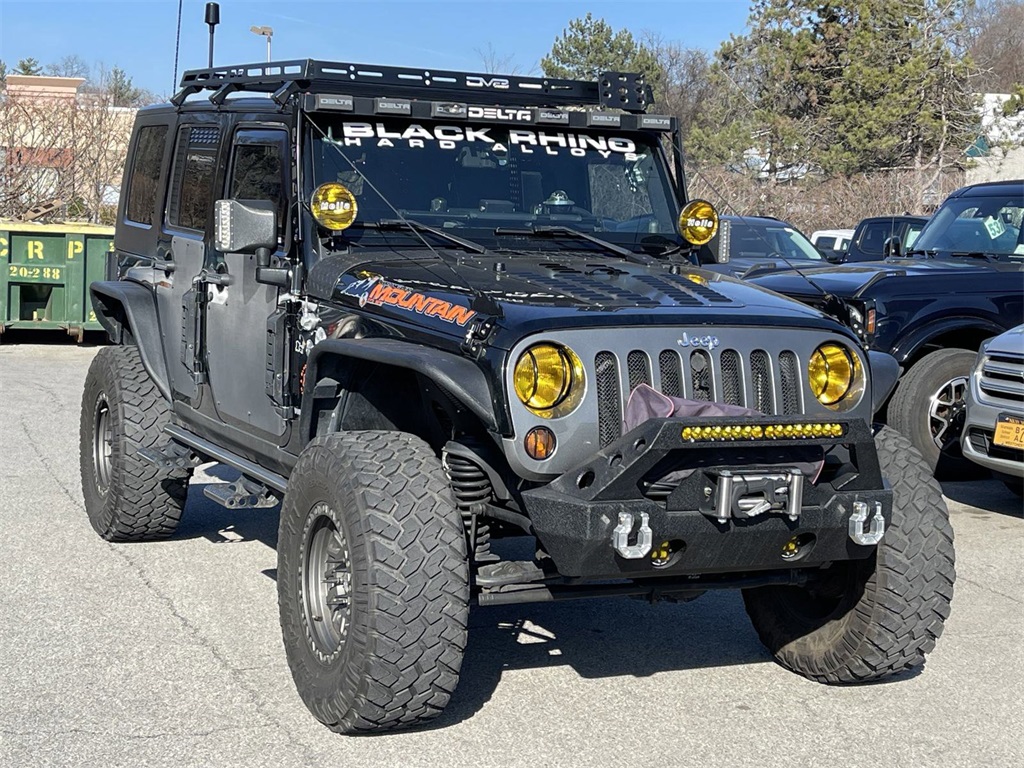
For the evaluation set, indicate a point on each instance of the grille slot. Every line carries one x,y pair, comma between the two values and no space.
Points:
609,402
790,374
732,377
761,378
670,372
700,376
639,370
1002,377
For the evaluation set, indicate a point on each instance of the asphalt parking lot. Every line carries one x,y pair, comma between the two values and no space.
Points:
170,653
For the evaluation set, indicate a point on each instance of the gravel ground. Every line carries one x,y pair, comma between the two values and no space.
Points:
169,654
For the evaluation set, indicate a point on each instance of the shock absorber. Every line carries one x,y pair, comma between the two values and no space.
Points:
472,490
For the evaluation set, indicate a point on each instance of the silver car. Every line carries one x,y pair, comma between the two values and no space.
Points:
993,434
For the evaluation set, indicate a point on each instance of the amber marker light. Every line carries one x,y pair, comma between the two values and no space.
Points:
540,443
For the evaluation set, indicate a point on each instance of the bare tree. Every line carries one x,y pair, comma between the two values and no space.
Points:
685,88
69,66
495,63
996,44
66,147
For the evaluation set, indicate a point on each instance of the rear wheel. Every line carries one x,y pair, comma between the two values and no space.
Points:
928,407
866,620
373,581
126,497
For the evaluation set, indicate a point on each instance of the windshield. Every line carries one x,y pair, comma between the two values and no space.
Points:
990,225
475,179
759,241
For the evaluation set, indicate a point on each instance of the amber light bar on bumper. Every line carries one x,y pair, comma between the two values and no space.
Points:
762,431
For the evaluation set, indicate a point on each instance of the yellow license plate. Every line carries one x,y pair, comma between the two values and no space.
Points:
1009,432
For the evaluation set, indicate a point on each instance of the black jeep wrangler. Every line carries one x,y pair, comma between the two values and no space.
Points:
431,309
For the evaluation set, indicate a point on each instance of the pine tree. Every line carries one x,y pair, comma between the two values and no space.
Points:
589,47
29,66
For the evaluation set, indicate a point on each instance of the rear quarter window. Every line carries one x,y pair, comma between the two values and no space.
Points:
144,179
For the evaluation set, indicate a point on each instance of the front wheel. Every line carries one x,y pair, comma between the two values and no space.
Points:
866,620
373,581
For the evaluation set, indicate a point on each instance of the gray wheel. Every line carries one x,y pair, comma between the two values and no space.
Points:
866,620
928,407
126,498
373,581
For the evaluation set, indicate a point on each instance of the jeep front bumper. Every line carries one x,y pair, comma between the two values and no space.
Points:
741,501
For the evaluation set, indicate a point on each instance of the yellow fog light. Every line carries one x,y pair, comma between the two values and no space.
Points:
549,379
830,372
698,222
334,206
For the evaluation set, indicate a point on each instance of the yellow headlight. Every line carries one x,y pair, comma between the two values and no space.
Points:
547,376
831,372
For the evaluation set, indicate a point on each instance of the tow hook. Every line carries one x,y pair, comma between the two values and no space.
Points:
620,537
859,518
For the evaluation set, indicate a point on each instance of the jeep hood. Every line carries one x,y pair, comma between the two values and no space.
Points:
528,293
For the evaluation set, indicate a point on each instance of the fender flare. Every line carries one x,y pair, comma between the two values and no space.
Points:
909,345
122,303
462,378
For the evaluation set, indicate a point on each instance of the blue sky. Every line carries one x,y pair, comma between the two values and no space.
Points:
138,35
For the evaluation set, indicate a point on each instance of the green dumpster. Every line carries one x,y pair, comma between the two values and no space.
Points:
46,272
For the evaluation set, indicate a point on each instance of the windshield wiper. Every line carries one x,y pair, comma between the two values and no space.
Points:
575,234
930,252
385,225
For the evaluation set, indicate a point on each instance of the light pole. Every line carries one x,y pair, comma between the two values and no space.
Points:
267,32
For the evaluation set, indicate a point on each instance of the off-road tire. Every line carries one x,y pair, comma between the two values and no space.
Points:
895,603
397,661
908,409
135,500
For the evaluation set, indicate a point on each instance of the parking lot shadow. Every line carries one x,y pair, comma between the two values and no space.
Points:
205,518
600,639
987,495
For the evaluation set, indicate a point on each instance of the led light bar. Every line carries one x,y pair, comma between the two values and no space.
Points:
762,432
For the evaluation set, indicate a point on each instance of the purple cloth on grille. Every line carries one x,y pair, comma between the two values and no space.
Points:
645,403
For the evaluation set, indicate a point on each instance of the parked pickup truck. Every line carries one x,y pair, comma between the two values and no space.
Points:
962,283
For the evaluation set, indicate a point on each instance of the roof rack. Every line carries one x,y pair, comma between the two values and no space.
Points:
282,79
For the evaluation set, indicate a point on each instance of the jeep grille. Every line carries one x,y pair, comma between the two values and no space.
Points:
724,376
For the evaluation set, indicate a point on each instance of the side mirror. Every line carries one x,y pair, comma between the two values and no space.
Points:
244,228
892,248
834,257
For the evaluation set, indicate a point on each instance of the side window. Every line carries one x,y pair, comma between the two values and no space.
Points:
144,180
875,236
257,173
195,163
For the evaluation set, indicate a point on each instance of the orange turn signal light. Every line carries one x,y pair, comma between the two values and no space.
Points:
540,443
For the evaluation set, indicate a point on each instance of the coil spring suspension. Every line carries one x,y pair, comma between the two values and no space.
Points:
472,490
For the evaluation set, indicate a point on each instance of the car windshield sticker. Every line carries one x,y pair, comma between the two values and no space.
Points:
524,141
994,226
